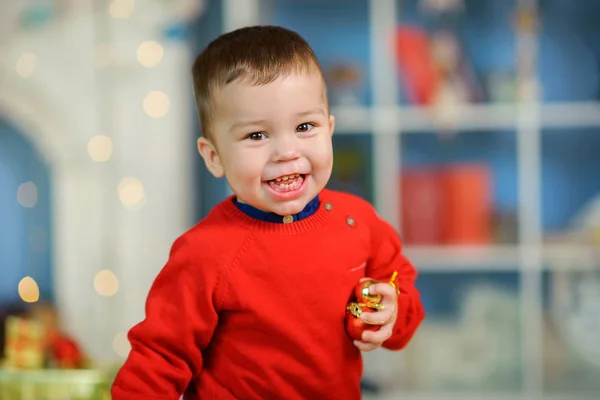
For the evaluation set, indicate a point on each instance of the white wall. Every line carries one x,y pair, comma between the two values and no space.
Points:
64,103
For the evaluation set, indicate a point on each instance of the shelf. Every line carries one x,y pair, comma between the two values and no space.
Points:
570,115
474,117
499,258
463,258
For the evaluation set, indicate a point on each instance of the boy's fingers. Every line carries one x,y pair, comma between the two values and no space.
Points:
379,336
363,346
387,292
378,317
384,289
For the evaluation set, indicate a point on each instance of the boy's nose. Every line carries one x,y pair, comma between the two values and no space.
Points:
286,149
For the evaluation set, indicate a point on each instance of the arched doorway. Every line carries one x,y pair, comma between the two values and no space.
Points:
25,247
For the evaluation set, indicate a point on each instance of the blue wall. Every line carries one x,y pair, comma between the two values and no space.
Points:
337,30
25,233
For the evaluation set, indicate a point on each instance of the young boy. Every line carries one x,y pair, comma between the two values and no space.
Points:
252,302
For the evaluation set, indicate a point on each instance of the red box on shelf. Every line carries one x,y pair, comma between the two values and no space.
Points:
447,205
468,210
422,206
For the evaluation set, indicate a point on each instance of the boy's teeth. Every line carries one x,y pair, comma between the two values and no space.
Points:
290,182
287,177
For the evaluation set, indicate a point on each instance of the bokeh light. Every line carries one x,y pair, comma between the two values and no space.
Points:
106,283
29,290
156,104
150,54
26,65
27,195
100,148
131,193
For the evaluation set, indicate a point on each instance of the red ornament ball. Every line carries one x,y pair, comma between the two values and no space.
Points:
354,325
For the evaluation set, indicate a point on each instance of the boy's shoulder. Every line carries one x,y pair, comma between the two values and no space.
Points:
215,234
348,202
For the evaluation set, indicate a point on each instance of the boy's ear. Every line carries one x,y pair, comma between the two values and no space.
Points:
331,124
211,158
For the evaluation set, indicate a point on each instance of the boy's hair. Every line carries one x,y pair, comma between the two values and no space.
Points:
256,54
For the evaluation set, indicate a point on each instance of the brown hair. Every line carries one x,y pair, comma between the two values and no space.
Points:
256,54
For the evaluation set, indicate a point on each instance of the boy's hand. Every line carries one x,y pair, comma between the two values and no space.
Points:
385,317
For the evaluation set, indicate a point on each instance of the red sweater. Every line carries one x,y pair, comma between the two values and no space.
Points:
248,309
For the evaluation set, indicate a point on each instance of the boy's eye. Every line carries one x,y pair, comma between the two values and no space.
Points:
256,136
305,127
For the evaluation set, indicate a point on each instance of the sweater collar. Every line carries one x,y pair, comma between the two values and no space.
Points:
266,216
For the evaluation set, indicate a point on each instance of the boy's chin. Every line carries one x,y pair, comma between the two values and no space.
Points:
288,209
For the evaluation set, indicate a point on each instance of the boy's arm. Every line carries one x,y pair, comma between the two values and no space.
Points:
386,259
166,348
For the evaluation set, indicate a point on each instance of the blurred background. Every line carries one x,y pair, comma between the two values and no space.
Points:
472,125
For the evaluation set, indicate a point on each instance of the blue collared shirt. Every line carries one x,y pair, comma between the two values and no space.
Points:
267,216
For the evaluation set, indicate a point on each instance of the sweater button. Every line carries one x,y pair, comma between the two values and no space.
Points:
287,219
350,221
328,206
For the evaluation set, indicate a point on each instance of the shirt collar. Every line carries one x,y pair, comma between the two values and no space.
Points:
267,216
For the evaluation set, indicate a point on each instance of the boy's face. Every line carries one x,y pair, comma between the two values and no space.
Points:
272,142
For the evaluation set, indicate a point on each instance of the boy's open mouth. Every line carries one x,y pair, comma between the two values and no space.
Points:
287,183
